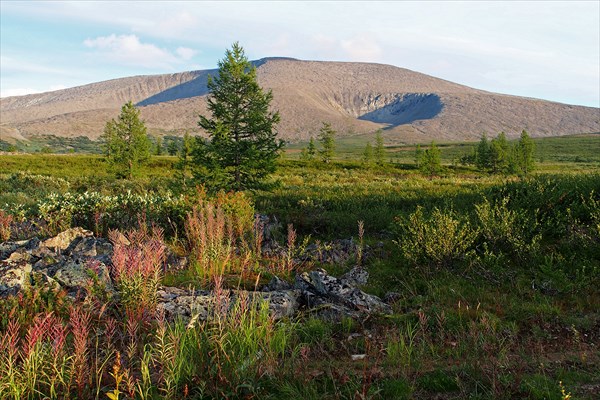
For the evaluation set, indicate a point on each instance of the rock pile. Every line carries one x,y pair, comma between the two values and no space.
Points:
73,259
63,261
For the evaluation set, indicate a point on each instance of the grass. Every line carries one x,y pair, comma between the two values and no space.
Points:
496,281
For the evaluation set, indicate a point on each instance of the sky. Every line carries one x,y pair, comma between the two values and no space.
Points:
541,49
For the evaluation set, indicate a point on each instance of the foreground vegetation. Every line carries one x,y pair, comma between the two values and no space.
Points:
494,282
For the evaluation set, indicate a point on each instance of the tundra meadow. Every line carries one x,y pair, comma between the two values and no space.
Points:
492,279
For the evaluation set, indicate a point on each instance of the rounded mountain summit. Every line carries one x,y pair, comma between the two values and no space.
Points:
355,98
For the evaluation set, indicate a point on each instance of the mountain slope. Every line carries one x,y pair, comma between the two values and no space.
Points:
354,97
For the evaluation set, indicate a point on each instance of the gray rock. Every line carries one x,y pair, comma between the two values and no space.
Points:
63,240
19,256
199,305
282,304
319,288
91,247
357,276
270,227
74,260
7,248
13,278
277,284
185,304
16,277
77,274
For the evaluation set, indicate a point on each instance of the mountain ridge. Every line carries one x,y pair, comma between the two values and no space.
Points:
356,98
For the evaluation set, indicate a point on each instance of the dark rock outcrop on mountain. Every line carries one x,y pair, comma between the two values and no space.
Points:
356,98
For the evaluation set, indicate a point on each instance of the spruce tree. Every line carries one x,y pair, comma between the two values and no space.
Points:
158,146
482,160
368,154
524,152
311,149
126,144
431,160
327,139
242,148
308,153
184,160
499,152
379,148
172,147
418,156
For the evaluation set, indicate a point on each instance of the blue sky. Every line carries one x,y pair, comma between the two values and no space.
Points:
548,50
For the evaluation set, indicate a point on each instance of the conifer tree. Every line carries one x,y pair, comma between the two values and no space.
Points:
499,152
418,156
158,146
368,154
431,160
482,160
379,148
311,150
524,152
327,139
308,153
184,160
126,144
172,147
242,148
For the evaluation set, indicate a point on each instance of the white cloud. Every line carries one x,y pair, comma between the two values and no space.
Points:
17,92
58,87
175,26
29,90
129,50
362,48
10,65
186,53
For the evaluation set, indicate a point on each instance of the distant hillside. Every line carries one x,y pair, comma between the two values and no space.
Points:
356,98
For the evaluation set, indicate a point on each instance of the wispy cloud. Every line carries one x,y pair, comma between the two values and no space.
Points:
18,65
362,47
8,92
185,53
17,92
129,50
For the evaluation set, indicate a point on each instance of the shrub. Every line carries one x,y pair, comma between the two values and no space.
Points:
438,240
506,230
102,213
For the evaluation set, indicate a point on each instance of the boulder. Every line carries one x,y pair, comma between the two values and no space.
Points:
7,248
282,303
319,288
177,303
277,284
63,240
199,305
76,274
13,278
357,276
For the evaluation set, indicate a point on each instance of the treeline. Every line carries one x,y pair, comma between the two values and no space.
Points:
499,156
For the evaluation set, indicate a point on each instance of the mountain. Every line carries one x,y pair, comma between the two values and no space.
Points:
356,98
